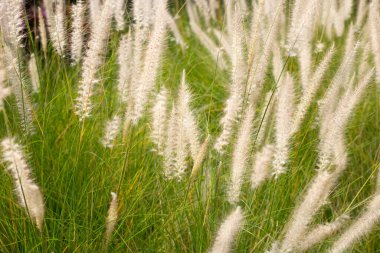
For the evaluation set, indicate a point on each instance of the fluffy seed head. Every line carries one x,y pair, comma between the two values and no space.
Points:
33,71
261,166
28,192
240,156
111,131
112,217
78,11
228,231
152,60
92,62
159,121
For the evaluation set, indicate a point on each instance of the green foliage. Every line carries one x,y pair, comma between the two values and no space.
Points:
76,174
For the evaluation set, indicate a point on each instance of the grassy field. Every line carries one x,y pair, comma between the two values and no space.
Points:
76,173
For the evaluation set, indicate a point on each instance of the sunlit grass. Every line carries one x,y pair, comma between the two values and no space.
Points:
76,173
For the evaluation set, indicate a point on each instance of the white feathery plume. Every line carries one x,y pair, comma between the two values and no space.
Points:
182,133
50,17
314,198
340,154
112,129
270,97
15,72
141,29
229,16
279,14
125,55
274,248
78,12
321,232
302,41
4,92
319,47
283,123
330,99
346,8
49,11
326,19
177,147
258,71
295,27
92,61
227,232
204,9
243,5
142,11
255,32
324,12
338,20
350,41
42,30
240,156
190,125
270,5
261,166
2,9
277,62
28,192
171,145
181,146
33,71
150,8
141,33
237,86
283,28
304,58
332,144
159,120
213,6
327,147
361,14
111,217
374,21
333,126
350,99
152,60
297,10
58,34
359,228
339,24
95,7
203,5
311,90
12,23
118,13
